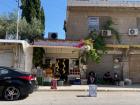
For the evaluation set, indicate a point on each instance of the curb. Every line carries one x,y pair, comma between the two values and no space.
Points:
98,90
134,88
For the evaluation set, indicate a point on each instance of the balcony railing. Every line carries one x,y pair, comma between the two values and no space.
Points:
104,3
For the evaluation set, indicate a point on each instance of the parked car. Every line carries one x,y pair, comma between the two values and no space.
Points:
15,84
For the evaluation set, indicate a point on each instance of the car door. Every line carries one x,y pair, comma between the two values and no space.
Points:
4,75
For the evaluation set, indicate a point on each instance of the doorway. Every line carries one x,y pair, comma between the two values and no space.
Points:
62,69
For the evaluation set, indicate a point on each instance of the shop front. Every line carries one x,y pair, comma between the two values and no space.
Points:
61,62
65,70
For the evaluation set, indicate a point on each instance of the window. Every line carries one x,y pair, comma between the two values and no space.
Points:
93,23
97,23
3,71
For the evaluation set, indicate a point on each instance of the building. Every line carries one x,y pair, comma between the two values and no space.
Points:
16,53
85,15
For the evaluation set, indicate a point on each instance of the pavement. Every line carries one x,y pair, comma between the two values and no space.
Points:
77,98
102,88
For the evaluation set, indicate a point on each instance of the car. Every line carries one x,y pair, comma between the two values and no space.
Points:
16,84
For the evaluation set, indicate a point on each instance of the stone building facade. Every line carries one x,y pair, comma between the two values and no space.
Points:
124,57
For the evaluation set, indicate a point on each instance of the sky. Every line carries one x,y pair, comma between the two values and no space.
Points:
55,14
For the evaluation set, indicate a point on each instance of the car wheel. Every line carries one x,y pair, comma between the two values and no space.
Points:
11,93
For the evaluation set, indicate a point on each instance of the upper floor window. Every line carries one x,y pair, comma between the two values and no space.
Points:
93,23
97,23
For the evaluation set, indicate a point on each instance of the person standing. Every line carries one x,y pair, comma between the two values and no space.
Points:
91,78
39,75
116,79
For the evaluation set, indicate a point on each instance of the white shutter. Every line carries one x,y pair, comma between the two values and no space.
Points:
6,59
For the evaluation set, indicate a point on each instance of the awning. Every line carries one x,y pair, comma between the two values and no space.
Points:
60,51
135,46
117,46
60,48
58,43
122,46
46,46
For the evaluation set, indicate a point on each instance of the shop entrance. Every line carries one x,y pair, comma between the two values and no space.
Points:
62,69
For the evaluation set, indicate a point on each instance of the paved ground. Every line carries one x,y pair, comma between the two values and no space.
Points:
78,98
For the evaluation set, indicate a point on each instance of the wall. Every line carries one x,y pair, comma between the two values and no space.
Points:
124,18
134,67
28,58
12,55
105,65
19,57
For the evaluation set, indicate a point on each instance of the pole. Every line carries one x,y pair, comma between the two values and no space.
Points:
17,31
17,36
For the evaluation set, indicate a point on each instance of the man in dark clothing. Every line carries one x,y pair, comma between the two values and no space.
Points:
116,79
91,78
108,78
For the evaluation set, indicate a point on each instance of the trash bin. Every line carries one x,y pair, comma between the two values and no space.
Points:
92,90
54,84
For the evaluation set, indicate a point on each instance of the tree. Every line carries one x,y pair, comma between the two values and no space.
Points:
43,18
37,56
30,30
109,26
32,9
8,25
90,52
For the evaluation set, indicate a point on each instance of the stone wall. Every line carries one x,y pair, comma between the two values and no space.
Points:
104,66
123,18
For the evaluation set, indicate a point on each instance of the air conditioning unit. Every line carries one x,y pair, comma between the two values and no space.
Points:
106,33
133,31
52,35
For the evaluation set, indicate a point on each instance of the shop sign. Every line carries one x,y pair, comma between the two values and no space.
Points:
60,43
